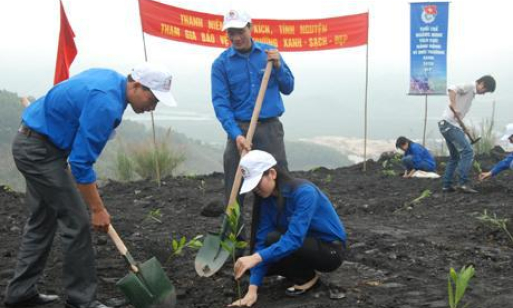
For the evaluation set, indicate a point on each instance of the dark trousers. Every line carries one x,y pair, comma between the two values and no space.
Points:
314,255
54,203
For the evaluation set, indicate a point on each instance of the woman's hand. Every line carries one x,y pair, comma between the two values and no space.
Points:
245,263
485,175
248,300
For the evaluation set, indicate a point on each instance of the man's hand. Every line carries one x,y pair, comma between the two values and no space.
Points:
245,263
274,55
241,143
485,175
100,218
248,300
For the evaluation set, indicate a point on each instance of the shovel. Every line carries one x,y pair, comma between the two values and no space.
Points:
212,255
146,285
462,125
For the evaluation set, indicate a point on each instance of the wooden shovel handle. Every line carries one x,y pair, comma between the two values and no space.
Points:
251,131
121,246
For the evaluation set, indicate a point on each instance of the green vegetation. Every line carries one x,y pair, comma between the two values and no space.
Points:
477,166
485,131
231,244
457,284
124,167
495,223
154,214
178,246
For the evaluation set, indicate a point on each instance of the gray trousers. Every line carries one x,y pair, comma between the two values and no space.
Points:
268,137
54,203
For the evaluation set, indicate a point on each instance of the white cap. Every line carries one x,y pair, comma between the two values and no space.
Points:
235,19
253,165
508,132
158,79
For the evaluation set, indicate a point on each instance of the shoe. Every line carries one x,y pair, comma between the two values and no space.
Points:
296,290
37,300
466,189
448,189
94,304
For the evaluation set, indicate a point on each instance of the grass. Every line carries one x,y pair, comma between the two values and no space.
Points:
495,223
487,142
457,284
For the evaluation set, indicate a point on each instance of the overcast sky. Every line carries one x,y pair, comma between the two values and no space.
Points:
108,34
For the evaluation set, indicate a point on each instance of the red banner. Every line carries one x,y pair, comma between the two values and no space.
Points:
66,51
177,24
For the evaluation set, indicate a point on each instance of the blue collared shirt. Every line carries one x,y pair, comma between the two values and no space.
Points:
79,115
236,79
307,212
420,154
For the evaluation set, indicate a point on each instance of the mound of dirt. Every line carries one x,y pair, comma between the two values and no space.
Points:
400,251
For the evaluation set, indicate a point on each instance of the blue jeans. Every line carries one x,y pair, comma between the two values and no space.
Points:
461,153
408,164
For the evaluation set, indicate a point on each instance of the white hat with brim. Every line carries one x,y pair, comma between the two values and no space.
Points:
235,19
508,132
253,165
158,79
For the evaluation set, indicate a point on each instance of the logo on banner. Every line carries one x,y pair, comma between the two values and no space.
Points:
429,13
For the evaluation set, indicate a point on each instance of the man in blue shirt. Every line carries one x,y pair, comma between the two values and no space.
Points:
236,77
72,124
506,163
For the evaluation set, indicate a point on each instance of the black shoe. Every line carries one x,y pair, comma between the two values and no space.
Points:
448,189
37,300
296,290
466,189
94,304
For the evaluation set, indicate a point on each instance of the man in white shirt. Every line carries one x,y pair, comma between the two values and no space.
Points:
460,149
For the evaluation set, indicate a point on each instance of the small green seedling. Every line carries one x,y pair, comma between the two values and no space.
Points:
388,172
495,223
328,179
457,284
178,246
231,244
154,214
409,205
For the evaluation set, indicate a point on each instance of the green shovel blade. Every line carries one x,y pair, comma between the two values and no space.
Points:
148,288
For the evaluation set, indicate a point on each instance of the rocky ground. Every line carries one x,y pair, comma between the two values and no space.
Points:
399,252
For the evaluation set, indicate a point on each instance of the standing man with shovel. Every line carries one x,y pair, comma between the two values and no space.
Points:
236,76
72,124
460,149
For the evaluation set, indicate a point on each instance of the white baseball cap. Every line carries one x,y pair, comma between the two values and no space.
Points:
235,19
158,79
253,165
508,132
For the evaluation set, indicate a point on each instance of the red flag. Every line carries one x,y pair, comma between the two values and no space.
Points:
66,51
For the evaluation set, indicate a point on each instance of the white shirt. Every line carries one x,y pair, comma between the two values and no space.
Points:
465,94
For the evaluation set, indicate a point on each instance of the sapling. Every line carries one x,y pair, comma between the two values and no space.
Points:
477,166
495,223
457,284
179,245
154,214
425,194
231,243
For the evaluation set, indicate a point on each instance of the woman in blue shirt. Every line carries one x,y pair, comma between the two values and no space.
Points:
416,157
506,163
295,229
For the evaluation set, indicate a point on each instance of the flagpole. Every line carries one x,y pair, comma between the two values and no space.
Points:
425,120
366,96
155,156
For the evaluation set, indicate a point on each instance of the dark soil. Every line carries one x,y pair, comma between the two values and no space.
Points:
399,254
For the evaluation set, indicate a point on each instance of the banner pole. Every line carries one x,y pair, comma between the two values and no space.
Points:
366,96
155,153
425,121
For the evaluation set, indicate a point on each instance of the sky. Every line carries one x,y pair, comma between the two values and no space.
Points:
329,92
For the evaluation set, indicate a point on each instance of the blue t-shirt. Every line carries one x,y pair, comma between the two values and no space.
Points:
236,81
79,115
307,212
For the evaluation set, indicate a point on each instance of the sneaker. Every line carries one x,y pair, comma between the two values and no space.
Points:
466,189
448,189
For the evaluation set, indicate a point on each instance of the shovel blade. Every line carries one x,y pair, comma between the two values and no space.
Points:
211,256
148,288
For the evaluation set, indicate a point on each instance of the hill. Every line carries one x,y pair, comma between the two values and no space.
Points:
399,255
